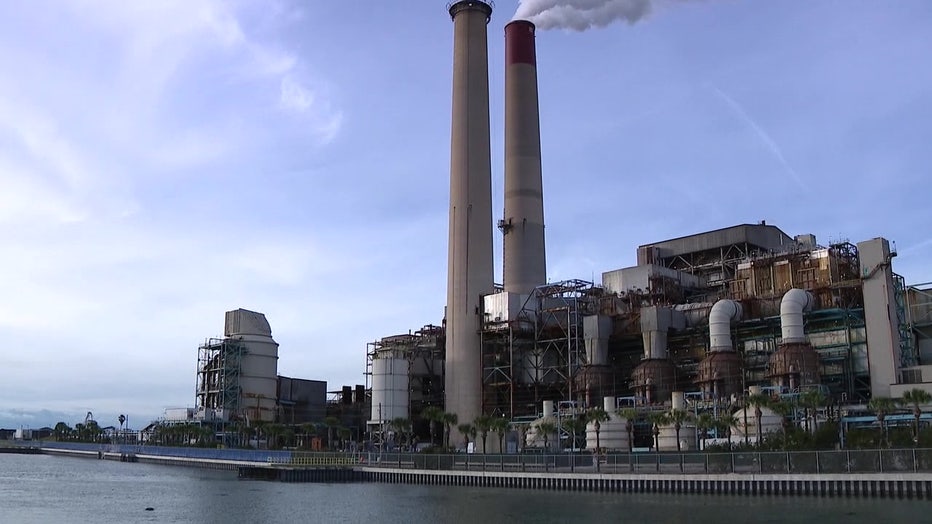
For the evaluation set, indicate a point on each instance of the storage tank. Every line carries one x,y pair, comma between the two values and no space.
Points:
258,373
667,437
770,422
389,388
613,434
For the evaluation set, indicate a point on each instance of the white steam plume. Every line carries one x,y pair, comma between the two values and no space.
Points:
580,15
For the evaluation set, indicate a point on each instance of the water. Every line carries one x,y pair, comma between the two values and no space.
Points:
43,488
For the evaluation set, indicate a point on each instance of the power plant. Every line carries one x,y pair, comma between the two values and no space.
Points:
701,320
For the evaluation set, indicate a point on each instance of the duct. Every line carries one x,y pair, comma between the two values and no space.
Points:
696,314
656,322
723,312
794,302
655,344
596,330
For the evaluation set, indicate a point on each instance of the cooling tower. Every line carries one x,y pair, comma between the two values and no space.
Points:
525,265
469,270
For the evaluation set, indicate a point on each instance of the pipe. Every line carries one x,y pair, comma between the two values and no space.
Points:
523,254
794,302
723,312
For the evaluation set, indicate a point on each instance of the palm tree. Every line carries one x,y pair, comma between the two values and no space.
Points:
500,426
657,419
449,420
678,417
308,429
401,426
757,401
546,428
331,423
344,433
432,415
483,424
61,431
274,432
812,400
260,428
597,416
916,398
629,414
468,431
574,426
785,410
288,436
704,423
724,422
522,435
881,407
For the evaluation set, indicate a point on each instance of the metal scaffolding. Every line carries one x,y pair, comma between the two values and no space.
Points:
536,355
219,364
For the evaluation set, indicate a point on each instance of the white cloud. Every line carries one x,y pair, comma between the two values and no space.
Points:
298,98
294,96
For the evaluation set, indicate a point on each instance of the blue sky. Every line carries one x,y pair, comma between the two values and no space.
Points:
163,162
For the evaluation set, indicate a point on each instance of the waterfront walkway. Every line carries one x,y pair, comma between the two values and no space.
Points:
899,472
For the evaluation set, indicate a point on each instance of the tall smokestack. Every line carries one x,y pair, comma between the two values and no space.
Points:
470,267
523,224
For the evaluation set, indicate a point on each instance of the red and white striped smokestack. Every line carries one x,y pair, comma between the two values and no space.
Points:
523,224
470,264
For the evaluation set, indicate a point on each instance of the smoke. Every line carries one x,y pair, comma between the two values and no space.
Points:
580,15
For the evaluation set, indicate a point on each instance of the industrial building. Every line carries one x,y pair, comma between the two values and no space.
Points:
715,314
238,380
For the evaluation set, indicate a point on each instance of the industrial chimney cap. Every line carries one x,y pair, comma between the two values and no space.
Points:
484,6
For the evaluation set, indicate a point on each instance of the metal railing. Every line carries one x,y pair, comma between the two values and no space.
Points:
907,460
792,462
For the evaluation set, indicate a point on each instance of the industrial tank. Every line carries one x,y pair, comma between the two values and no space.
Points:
770,422
613,434
389,388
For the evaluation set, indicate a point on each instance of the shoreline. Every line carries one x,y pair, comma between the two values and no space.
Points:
885,485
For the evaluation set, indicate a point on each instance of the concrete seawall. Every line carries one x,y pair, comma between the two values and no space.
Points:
230,465
907,485
895,485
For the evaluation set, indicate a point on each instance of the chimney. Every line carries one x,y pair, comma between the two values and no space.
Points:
469,261
525,264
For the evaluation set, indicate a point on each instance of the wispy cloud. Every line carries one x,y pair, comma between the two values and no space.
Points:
761,134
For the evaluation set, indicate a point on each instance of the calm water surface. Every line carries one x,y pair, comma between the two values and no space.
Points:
41,488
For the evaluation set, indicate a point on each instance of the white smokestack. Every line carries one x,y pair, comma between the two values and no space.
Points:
580,15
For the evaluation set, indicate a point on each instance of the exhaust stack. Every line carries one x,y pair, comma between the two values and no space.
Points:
469,261
525,265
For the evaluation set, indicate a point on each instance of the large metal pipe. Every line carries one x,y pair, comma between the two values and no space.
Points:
525,265
470,267
723,312
794,302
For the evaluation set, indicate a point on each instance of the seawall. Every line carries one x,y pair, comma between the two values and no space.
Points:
282,466
906,485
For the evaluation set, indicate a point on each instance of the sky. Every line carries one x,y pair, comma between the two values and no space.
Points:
163,162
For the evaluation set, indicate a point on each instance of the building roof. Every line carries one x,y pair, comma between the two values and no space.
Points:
761,235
